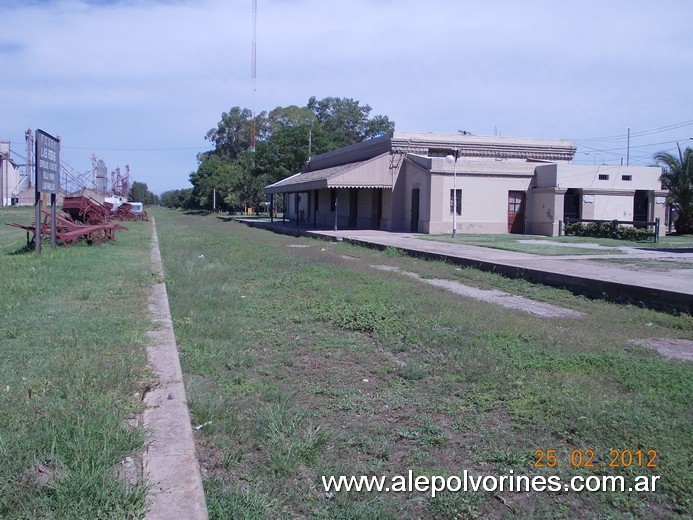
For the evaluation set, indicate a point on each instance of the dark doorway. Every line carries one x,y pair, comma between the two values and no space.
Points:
315,209
377,209
415,210
641,203
353,207
571,204
516,212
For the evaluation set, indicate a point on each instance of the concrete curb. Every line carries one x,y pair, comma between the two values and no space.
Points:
169,463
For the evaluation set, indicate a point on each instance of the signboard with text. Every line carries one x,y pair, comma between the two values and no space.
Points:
47,163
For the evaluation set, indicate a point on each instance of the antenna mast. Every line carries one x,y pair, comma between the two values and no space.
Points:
253,73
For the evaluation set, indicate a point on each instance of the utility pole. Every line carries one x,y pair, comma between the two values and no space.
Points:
29,168
628,150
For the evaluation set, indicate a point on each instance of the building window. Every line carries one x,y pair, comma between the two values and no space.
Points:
333,199
603,177
626,177
458,202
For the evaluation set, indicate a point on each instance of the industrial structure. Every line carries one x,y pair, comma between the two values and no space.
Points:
12,180
253,74
17,176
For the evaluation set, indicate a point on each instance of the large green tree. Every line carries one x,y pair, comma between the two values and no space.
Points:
177,198
285,139
346,120
677,177
288,149
231,137
282,117
139,192
214,180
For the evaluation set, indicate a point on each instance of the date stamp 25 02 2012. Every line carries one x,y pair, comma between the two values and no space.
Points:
587,458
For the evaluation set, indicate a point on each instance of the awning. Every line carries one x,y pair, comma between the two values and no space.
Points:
372,173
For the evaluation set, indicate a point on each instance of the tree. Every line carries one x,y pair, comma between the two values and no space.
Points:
677,177
286,151
177,198
285,138
139,192
232,134
347,121
170,199
215,175
282,117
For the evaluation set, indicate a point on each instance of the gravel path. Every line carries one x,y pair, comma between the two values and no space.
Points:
504,299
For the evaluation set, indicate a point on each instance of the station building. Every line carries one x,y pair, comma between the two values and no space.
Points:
414,182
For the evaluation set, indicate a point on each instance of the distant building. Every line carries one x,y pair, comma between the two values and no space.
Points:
12,181
407,182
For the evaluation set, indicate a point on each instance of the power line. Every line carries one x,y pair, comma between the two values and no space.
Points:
134,149
661,129
623,148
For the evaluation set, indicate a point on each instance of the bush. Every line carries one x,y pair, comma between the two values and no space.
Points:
608,229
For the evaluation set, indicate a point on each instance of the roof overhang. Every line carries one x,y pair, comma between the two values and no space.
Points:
371,173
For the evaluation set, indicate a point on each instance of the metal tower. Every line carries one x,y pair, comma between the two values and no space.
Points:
253,72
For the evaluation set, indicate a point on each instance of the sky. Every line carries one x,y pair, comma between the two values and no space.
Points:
140,82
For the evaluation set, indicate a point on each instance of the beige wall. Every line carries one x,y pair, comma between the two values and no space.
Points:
484,202
411,178
612,205
485,183
610,198
585,176
544,211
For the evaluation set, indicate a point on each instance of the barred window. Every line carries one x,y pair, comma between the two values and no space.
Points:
459,201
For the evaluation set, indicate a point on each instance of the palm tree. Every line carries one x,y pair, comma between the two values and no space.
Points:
677,177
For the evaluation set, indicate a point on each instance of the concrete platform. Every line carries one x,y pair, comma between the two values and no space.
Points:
662,290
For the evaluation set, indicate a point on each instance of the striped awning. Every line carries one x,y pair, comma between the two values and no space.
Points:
372,173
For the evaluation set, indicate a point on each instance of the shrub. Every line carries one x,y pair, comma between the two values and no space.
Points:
608,229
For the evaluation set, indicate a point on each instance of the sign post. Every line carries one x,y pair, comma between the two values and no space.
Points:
47,180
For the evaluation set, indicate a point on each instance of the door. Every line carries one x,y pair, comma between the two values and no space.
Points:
353,206
315,209
415,210
640,207
516,212
571,204
376,208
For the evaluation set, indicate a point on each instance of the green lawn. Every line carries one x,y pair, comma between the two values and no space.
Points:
72,337
310,362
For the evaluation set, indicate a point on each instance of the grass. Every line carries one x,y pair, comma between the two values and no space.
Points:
557,246
72,333
310,362
644,263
